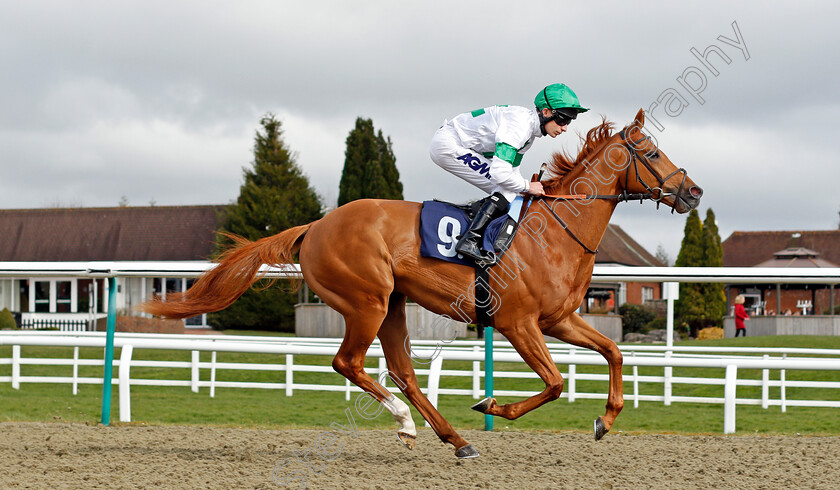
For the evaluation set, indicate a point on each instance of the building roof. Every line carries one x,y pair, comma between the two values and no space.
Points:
796,252
162,233
750,248
796,257
618,248
156,233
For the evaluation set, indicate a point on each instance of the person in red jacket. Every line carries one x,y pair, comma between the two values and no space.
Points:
740,316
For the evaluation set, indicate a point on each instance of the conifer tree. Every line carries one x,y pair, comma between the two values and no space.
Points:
662,255
389,166
690,308
274,196
370,169
714,298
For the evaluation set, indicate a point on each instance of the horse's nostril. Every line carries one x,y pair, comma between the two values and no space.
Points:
695,192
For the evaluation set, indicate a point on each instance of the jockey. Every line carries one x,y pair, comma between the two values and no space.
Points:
485,147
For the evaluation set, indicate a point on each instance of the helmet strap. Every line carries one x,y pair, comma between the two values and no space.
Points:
543,121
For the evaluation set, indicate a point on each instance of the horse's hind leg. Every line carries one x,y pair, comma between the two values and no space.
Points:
361,329
576,331
393,336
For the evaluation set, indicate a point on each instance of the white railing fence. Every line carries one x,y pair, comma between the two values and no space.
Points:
780,359
61,324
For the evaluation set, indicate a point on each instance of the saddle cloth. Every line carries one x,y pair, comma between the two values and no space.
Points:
442,223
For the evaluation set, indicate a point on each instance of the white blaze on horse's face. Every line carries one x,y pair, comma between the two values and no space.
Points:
655,171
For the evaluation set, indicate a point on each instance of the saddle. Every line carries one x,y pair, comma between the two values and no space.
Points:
498,235
442,223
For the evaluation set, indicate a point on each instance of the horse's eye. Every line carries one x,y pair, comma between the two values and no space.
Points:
654,154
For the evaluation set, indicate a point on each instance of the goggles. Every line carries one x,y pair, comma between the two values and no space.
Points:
562,119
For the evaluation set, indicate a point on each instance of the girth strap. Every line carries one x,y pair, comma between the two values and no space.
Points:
482,296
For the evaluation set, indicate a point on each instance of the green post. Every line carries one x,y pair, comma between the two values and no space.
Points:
488,373
109,351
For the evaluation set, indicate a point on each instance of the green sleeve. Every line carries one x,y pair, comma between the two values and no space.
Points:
508,153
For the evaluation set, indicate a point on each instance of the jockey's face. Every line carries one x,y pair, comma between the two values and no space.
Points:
551,127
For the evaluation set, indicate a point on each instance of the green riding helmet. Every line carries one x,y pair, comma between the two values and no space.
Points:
557,96
562,101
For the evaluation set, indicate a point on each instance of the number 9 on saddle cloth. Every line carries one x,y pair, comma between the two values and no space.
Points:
443,223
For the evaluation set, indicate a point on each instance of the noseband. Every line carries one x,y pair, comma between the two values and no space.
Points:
655,194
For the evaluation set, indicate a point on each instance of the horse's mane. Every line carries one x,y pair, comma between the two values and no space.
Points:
562,162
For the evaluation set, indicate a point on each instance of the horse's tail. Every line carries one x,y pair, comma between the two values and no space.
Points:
238,269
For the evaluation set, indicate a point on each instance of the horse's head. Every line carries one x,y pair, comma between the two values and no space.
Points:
649,170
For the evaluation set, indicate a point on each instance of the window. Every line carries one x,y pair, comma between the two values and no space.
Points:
647,294
195,321
100,296
42,296
63,296
24,295
84,303
52,296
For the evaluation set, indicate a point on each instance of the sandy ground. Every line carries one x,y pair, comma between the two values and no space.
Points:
38,455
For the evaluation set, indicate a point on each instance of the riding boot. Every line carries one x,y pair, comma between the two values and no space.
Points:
470,242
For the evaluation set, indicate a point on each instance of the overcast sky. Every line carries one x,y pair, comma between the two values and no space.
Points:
159,101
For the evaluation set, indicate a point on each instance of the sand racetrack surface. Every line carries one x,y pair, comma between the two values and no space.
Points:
40,455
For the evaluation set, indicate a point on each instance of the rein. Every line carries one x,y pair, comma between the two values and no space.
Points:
623,197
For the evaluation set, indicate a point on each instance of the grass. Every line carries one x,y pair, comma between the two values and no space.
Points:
272,409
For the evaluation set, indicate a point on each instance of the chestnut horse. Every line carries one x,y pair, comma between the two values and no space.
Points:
363,259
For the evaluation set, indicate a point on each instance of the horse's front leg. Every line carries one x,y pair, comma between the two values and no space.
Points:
576,331
528,341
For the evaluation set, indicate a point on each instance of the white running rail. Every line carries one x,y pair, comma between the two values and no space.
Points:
729,358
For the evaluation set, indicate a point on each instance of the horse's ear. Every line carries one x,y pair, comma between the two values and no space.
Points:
640,118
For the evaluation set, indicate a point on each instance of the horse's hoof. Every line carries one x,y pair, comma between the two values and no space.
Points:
600,430
484,405
466,452
407,440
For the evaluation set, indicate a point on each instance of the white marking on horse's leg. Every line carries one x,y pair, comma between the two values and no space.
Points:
402,414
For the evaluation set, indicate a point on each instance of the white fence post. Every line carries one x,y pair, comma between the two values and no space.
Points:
16,367
669,371
765,385
125,383
635,384
383,368
572,382
782,387
672,293
434,380
194,372
476,377
290,374
76,370
213,374
729,394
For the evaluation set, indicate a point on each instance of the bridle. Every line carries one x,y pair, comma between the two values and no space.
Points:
635,158
655,194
